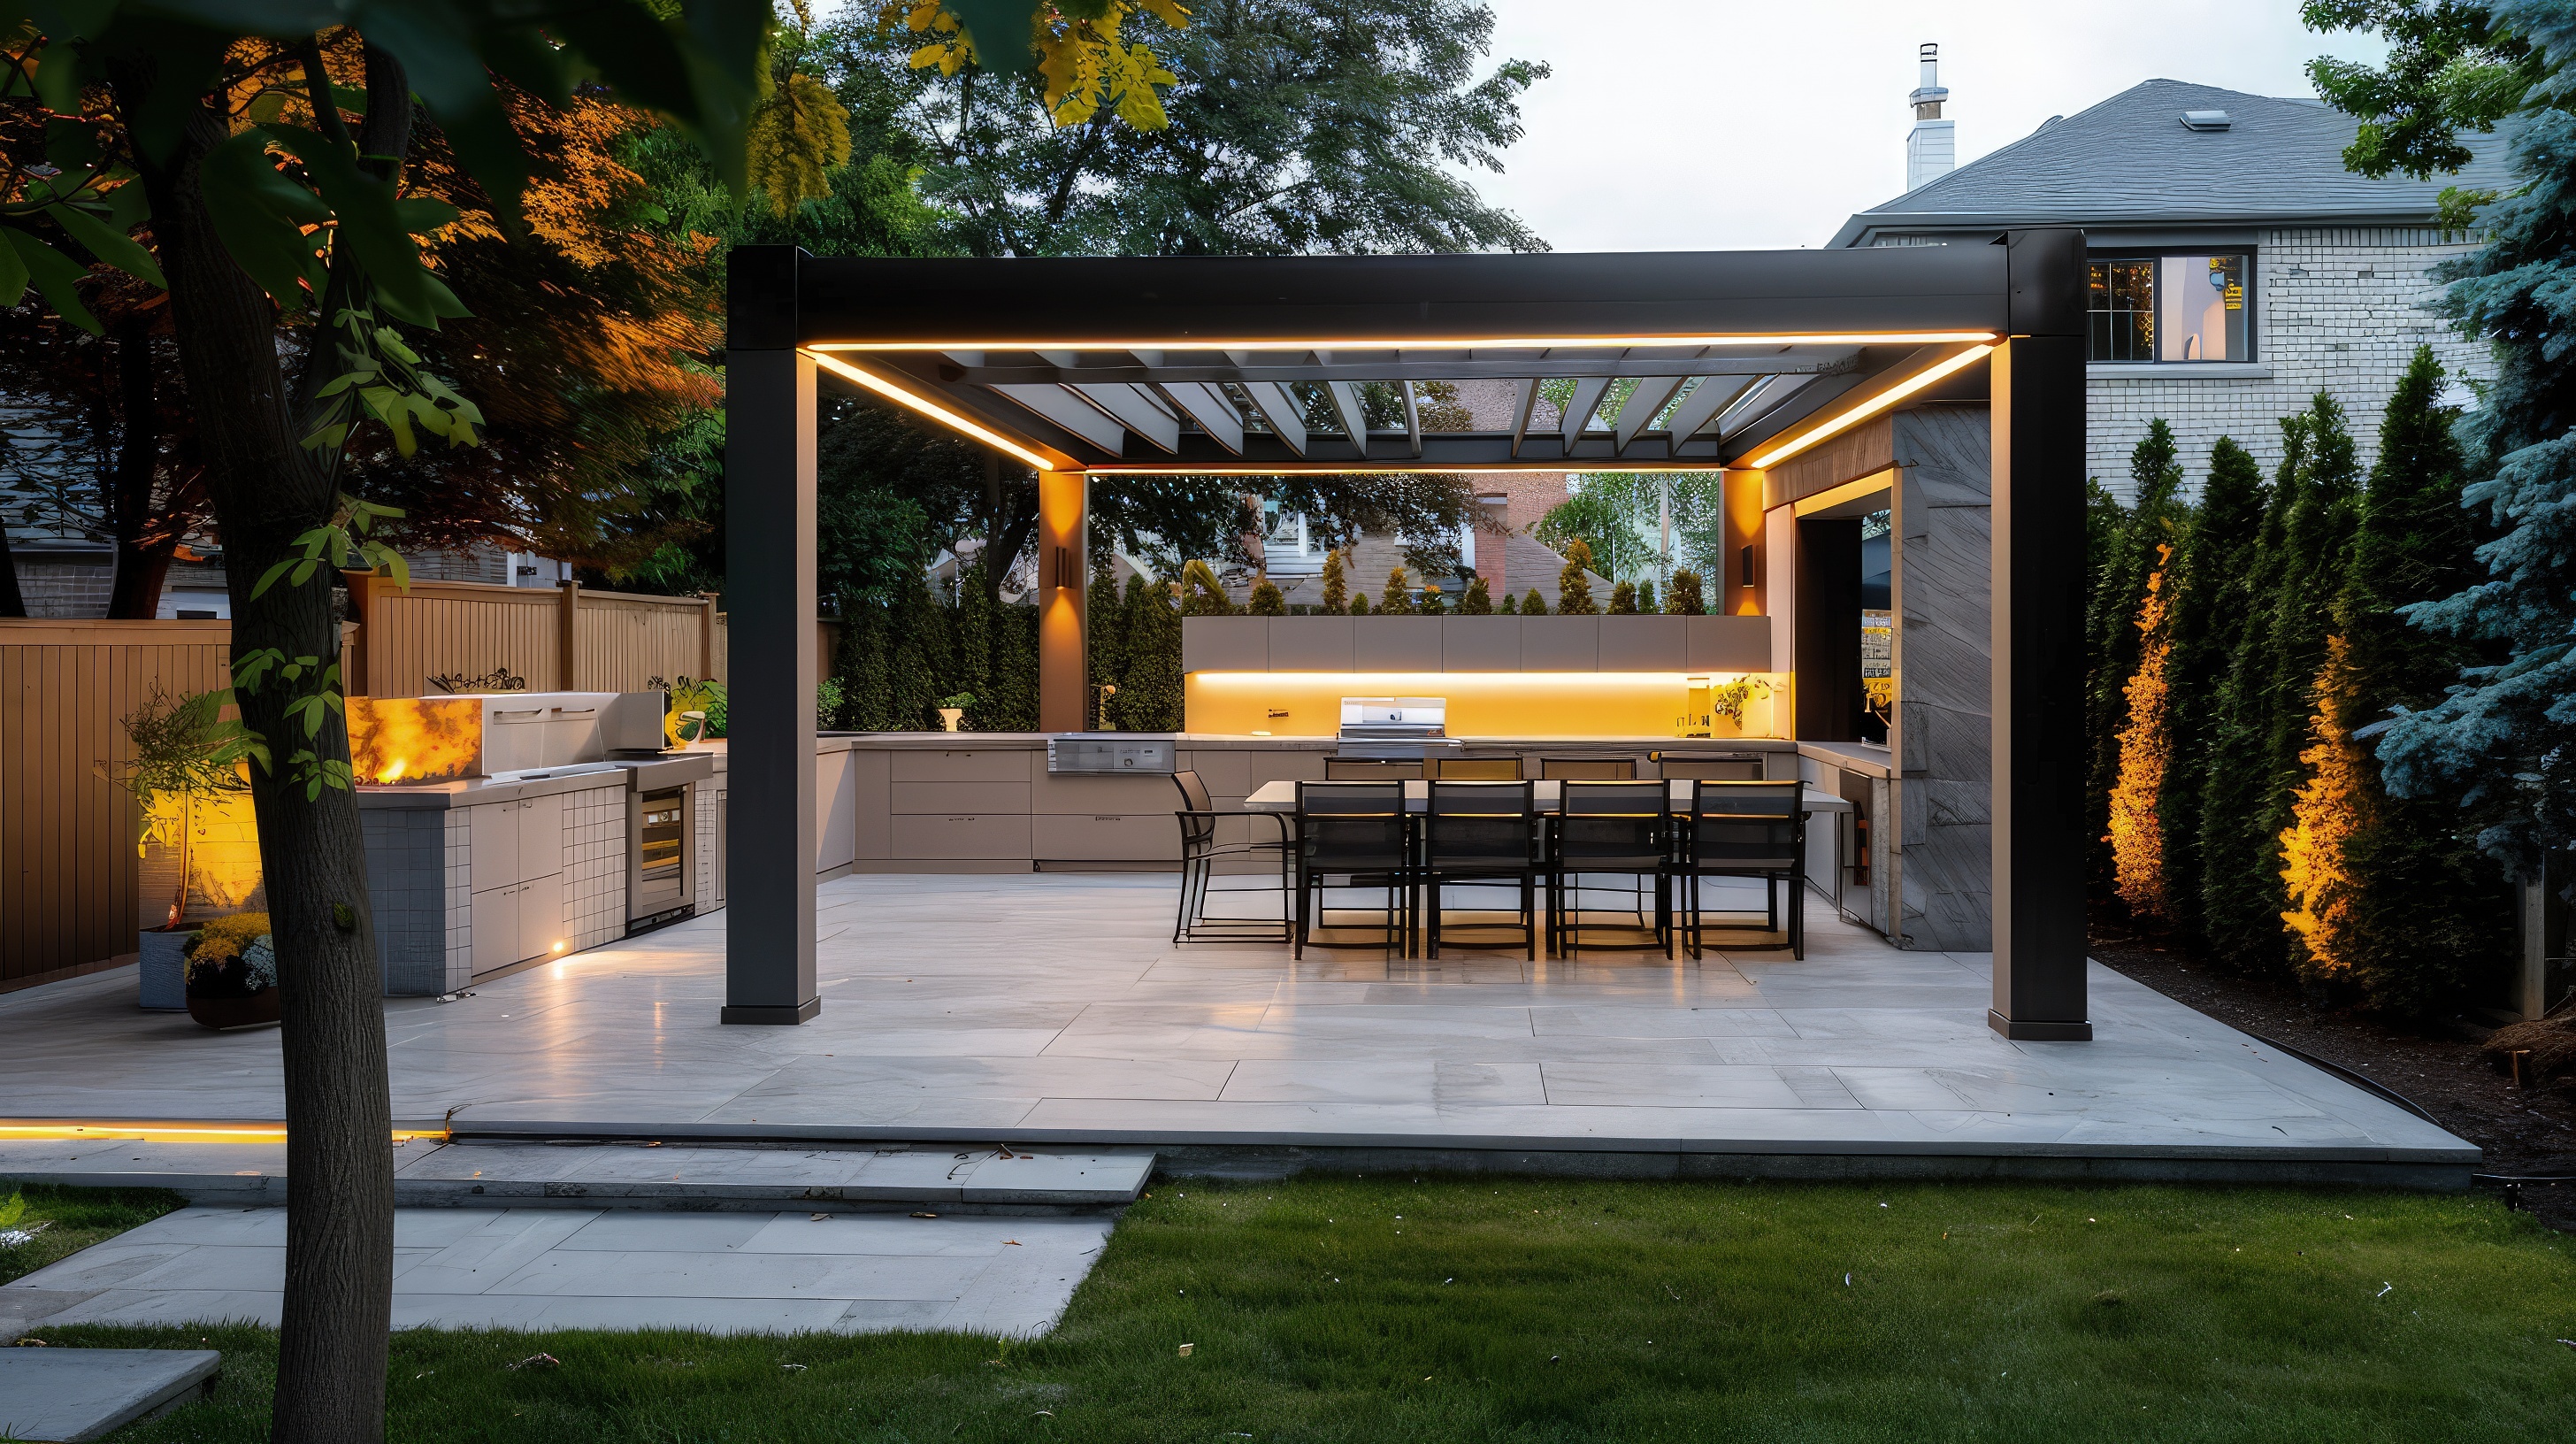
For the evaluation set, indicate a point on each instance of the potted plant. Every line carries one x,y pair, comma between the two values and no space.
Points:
952,710
697,715
232,973
186,763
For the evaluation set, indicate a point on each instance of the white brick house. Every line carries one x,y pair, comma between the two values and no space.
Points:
2327,268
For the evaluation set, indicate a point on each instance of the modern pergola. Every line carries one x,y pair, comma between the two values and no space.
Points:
1090,369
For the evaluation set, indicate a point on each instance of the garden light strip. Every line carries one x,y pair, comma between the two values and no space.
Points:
1415,343
932,409
1867,409
144,1131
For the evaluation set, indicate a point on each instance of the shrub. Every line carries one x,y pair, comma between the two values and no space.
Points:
1573,585
1398,597
1478,602
1684,598
1337,590
1509,606
1623,600
1359,604
1533,605
1267,600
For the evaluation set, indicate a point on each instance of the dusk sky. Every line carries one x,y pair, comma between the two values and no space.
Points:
1715,124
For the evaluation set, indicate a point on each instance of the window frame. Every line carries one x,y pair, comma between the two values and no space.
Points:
2158,254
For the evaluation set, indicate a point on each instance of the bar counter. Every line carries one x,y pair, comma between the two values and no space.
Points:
985,802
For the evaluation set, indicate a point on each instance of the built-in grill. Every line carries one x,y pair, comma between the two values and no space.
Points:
1398,728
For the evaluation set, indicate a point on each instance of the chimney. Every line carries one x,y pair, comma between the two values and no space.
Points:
1930,149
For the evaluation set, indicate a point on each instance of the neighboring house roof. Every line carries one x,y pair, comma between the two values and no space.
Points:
2130,162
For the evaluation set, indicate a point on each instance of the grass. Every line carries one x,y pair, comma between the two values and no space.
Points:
73,1219
1521,1310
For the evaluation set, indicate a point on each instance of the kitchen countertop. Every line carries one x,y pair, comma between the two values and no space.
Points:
1223,741
481,791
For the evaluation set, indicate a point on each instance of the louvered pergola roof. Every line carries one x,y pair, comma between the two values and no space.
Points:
1205,365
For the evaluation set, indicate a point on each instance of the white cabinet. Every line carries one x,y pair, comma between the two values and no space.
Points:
518,880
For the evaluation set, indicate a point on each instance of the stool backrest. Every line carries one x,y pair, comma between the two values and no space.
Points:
1757,825
1369,769
1588,769
1351,826
1493,824
1606,821
1194,799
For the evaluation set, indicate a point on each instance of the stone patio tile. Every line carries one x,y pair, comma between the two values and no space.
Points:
1638,1020
1713,1085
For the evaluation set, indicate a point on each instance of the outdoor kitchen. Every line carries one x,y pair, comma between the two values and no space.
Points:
510,827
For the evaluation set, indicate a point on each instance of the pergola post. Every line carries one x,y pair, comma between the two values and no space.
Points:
769,597
1064,649
2038,579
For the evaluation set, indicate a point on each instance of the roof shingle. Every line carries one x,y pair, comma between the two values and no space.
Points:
2130,160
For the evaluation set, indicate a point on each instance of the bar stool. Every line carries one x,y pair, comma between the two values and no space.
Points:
1481,832
1748,830
1357,831
1610,827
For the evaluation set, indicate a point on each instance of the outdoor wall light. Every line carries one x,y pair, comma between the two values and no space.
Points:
1867,409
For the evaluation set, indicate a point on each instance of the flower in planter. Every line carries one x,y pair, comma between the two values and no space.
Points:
232,957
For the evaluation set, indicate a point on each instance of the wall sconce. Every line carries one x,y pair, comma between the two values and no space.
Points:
1744,567
1064,568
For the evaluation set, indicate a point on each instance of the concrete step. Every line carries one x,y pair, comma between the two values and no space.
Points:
589,1173
92,1393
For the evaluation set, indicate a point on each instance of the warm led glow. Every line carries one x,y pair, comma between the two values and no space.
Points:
1420,343
415,739
1867,409
1481,704
946,416
68,1131
1584,466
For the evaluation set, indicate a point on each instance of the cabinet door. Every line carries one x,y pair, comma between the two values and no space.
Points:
496,927
541,916
494,828
540,837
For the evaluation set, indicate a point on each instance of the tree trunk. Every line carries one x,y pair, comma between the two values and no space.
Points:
142,550
13,603
266,490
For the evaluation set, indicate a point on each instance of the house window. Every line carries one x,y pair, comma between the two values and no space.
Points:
2170,308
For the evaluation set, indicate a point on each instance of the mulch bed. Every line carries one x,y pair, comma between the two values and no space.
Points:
2524,1131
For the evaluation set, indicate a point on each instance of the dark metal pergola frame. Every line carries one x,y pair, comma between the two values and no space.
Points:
1163,366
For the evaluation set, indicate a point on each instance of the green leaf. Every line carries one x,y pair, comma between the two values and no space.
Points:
112,247
257,212
56,275
363,206
259,589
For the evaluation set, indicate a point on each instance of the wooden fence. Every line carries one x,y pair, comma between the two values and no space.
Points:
67,860
68,870
561,639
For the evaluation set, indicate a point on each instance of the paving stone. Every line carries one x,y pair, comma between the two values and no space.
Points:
64,1394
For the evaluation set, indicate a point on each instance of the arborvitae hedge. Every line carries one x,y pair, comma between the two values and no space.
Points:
2402,910
1266,599
1398,597
2240,885
1478,602
2129,550
1684,599
1533,605
1150,694
1573,588
2207,619
1623,599
1337,588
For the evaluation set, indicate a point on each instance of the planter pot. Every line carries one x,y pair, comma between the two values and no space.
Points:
949,717
222,1013
165,970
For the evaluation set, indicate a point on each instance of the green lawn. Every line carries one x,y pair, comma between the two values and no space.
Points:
73,1219
1590,1311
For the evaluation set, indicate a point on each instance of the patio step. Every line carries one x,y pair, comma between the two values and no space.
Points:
653,1175
591,1173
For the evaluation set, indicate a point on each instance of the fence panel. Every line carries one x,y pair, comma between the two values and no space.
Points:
466,629
622,641
67,863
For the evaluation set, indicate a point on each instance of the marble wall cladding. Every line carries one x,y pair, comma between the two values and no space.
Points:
1941,833
594,852
407,892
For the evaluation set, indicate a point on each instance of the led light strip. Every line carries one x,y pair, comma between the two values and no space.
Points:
946,416
1413,343
148,1132
1867,409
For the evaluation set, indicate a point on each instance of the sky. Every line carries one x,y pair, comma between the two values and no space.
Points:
1723,124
